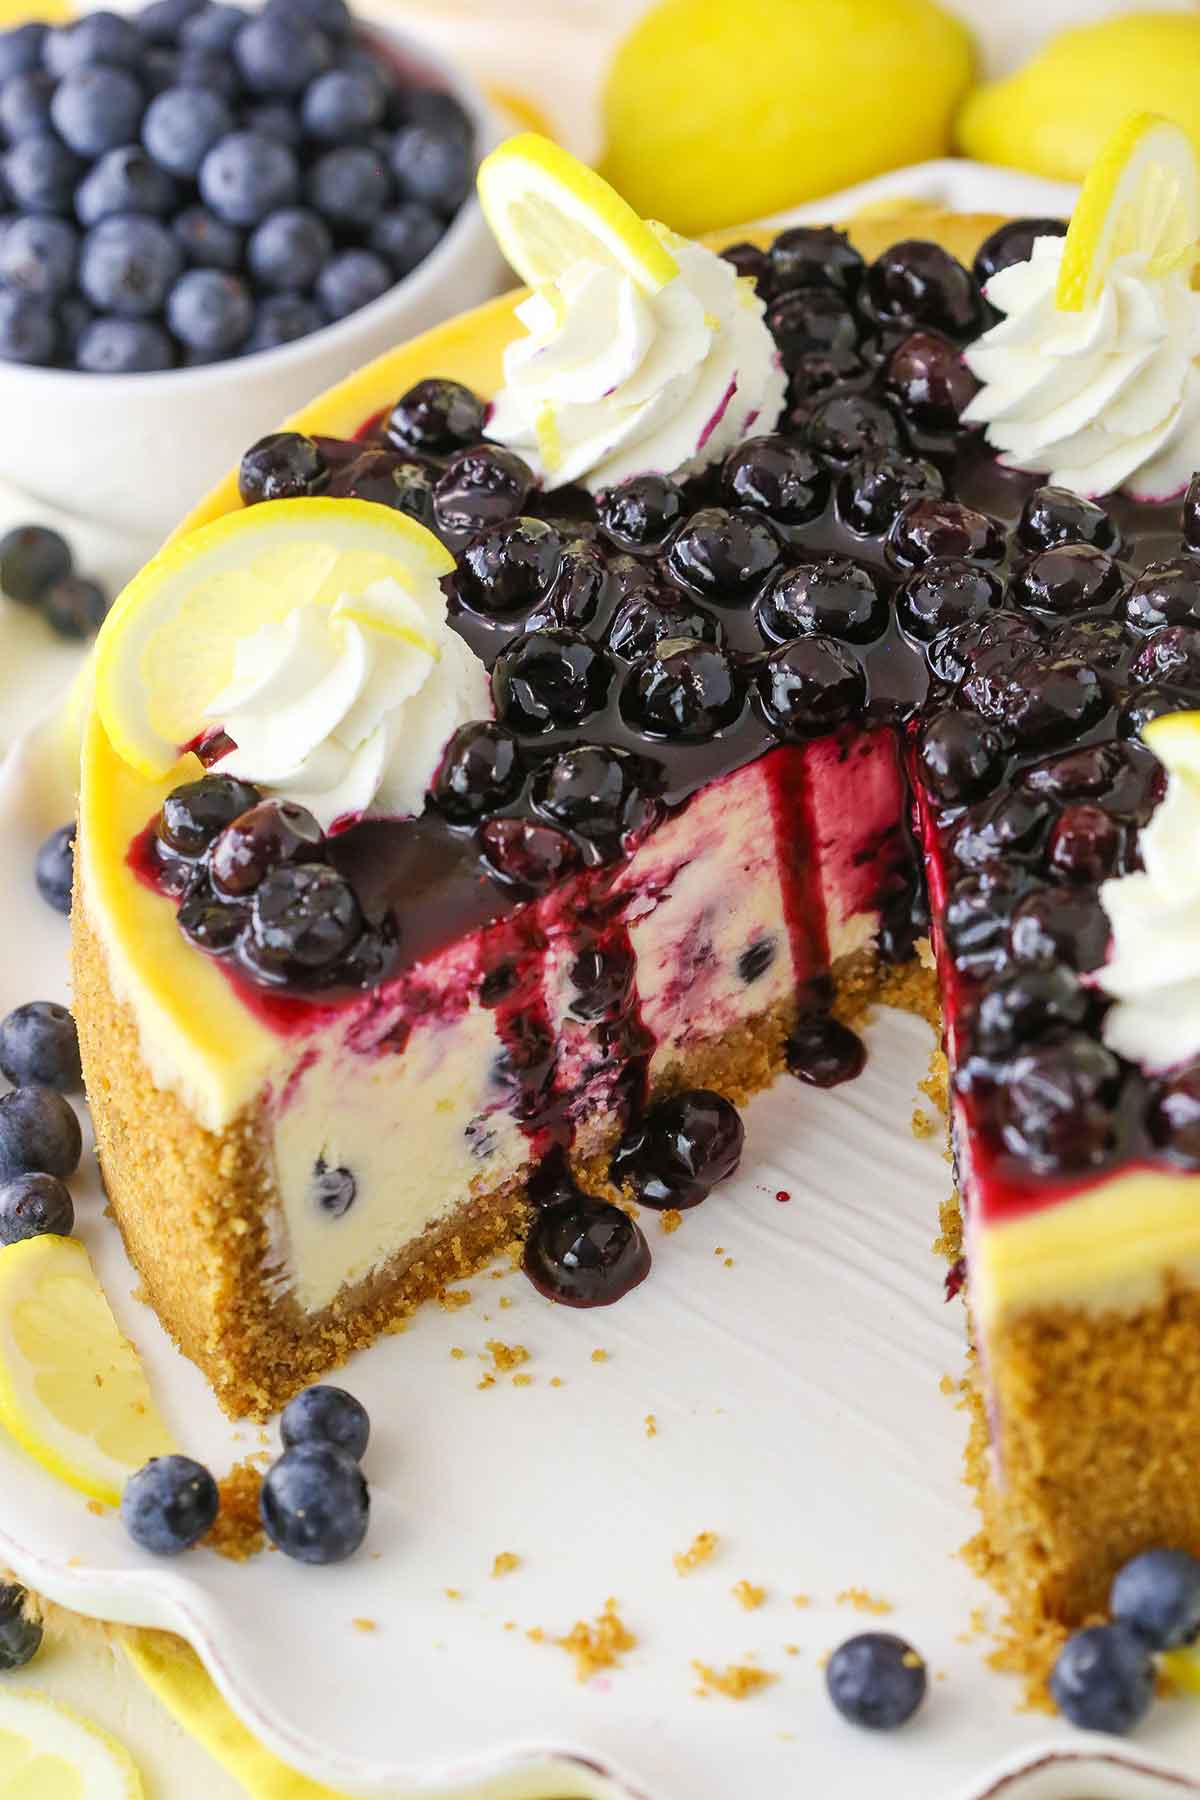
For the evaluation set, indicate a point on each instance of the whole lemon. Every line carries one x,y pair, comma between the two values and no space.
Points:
1055,114
718,111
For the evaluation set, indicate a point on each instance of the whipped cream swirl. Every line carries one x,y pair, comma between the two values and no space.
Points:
347,708
1154,967
611,381
1105,398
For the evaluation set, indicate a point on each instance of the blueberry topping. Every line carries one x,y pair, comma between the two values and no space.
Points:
1012,826
334,1190
526,854
326,1415
844,427
918,283
436,418
1011,243
1165,593
284,466
723,556
1055,515
681,1149
508,566
642,513
20,1636
961,758
54,868
34,1205
169,1505
809,686
1157,1595
479,772
1057,1104
652,614
929,381
876,1680
1191,500
194,814
481,486
585,1252
1170,654
779,477
269,835
749,261
305,917
1026,1004
314,1503
684,690
594,791
39,1133
1042,701
876,487
39,1046
549,678
1059,924
811,319
1104,1679
945,594
32,559
944,528
812,256
1070,578
835,596
1175,1115
1085,844
822,1052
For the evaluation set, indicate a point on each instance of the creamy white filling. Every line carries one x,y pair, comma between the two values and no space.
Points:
1104,398
610,381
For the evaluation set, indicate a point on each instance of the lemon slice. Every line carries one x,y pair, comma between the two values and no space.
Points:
1141,193
167,647
72,1391
1175,740
49,1752
547,210
1183,1668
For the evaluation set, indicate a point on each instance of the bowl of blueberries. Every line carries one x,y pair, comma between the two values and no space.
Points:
210,214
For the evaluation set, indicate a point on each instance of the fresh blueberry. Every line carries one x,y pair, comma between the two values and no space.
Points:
289,249
1157,1594
276,56
212,69
326,1415
113,346
212,27
25,104
128,264
74,317
685,690
21,49
835,596
194,814
76,607
343,105
98,37
405,235
125,180
1012,243
206,241
283,466
686,1144
39,1046
306,917
96,109
35,1205
162,21
181,126
1104,1679
434,165
275,119
435,108
38,1134
54,868
585,1252
32,559
876,1680
282,319
41,173
333,17
480,486
245,176
480,772
211,312
169,1504
315,1504
38,255
20,1636
351,280
159,68
436,418
28,330
549,678
807,687
350,186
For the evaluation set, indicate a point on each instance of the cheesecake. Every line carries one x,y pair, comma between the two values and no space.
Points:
719,640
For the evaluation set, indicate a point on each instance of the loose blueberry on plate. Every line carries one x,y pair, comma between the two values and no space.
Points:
20,1636
1157,1594
35,1205
39,1046
823,1052
39,1133
1104,1679
169,1504
876,1680
585,1252
32,559
282,466
326,1415
54,868
315,1504
681,1148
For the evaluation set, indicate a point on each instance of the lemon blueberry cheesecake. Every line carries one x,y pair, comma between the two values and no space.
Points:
498,781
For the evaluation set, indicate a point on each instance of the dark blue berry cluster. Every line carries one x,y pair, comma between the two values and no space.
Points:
1105,1675
193,182
40,1139
37,569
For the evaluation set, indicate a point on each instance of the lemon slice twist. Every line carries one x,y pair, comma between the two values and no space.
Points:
50,1752
1141,193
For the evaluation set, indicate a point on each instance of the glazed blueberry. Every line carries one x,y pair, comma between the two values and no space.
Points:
38,255
210,312
811,319
1175,1115
181,126
928,379
509,566
961,758
326,1415
1054,515
1058,1104
546,679
194,814
436,418
919,283
777,476
809,686
1085,843
480,772
651,614
1059,924
874,488
1068,579
281,319
169,1505
814,374
123,181
749,261
207,242
127,265
685,690
210,924
1077,774
876,1680
98,37
1165,593
278,56
54,868
39,1134
1014,825
723,556
812,256
283,466
39,1046
96,109
976,917
642,513
985,640
756,960
681,1149
1171,654
1016,1008
1147,703
822,1052
32,559
1191,501
585,1252
529,855
246,176
835,596
351,280
41,173
594,791
1042,701
931,528
349,186
385,477
480,486
306,917
35,1205
1012,243
20,1637
405,235
433,163
28,333
271,834
1157,1595
315,1504
575,593
25,104
21,49
846,426
1104,1679
945,594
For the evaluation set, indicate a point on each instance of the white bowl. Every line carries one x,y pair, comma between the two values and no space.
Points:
136,451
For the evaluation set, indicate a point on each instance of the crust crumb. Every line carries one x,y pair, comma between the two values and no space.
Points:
747,1594
365,1625
599,1356
864,1602
237,1532
670,1220
504,1563
651,1424
452,1299
738,1681
702,1547
801,1600
596,1644
922,1125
